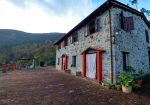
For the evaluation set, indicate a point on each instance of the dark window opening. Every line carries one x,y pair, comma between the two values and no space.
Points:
58,61
66,42
147,37
149,57
98,24
92,27
75,37
122,20
125,60
59,46
73,61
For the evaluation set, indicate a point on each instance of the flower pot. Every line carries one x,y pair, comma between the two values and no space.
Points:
139,82
126,89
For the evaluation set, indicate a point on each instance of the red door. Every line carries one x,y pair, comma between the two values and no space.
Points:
98,65
64,62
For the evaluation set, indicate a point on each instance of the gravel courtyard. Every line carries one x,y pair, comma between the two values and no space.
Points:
47,86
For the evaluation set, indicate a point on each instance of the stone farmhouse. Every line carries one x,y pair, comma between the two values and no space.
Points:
101,46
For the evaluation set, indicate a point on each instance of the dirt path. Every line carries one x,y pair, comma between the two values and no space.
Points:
50,87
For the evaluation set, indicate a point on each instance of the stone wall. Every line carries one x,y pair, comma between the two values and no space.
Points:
99,40
133,42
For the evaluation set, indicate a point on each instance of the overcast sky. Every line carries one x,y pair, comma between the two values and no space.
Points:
43,16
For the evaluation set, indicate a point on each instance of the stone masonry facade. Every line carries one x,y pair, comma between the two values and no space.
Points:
134,42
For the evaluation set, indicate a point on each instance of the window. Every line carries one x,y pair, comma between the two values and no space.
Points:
98,24
149,57
69,39
125,60
73,61
122,20
127,23
58,61
147,37
130,23
85,31
66,42
92,27
75,37
62,44
59,46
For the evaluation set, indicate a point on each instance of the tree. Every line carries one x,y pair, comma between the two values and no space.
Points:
134,3
146,12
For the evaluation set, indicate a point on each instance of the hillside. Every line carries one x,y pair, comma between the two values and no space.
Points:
17,44
10,38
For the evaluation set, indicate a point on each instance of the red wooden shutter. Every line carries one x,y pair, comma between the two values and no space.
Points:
130,23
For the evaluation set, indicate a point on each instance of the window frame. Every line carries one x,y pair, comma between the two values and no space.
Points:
125,60
74,61
147,36
58,61
75,37
59,46
149,57
66,42
94,21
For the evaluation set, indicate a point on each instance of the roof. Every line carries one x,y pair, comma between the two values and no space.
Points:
105,6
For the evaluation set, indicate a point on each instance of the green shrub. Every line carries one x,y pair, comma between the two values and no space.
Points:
107,84
125,79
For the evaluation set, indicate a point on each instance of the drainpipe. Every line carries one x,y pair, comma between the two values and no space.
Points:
111,52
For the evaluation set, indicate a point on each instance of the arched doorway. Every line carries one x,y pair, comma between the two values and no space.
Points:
92,63
64,62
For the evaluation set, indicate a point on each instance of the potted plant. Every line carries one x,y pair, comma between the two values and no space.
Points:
126,82
139,78
136,87
136,74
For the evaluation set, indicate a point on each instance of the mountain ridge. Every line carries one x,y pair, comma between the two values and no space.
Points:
10,37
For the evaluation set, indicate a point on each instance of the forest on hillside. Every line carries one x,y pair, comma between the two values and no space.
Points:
41,52
15,45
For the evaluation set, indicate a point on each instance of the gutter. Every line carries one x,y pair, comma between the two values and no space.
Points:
111,53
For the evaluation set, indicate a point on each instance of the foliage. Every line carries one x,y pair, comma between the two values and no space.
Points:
136,74
16,44
125,79
134,85
145,11
43,51
130,69
107,84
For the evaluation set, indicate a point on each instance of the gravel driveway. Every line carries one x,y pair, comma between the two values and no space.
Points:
47,86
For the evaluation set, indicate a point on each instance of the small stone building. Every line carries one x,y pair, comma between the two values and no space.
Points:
101,46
